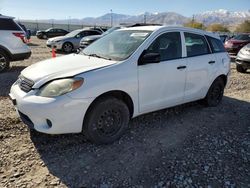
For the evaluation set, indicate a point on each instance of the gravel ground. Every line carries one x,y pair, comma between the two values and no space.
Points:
184,146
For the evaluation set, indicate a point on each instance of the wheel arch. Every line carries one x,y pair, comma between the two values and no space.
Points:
125,97
223,77
8,53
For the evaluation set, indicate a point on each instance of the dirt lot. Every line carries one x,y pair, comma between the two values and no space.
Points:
185,146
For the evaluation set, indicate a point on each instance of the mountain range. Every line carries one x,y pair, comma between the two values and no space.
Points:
167,18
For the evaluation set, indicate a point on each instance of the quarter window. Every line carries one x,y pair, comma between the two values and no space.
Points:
215,44
196,45
168,45
8,24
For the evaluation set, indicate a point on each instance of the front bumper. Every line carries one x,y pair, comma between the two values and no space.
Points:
56,45
245,63
50,115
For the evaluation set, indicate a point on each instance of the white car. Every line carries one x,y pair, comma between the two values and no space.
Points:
12,42
127,73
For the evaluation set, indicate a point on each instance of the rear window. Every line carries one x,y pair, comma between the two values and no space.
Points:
216,45
9,24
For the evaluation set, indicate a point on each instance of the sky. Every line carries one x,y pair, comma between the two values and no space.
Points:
65,9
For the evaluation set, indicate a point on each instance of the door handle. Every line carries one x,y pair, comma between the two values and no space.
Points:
181,67
211,62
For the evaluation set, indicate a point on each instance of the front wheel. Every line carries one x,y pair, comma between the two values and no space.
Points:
215,93
44,36
106,121
67,47
4,61
240,69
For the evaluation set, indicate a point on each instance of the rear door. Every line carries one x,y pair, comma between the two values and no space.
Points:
201,65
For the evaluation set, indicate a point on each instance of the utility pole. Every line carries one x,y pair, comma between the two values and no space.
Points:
111,18
193,21
69,23
145,18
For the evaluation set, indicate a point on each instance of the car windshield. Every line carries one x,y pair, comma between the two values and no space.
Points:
118,45
242,37
111,30
73,33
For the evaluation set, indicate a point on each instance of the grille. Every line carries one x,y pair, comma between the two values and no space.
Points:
25,84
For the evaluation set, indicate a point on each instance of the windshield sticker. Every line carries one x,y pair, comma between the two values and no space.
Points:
139,34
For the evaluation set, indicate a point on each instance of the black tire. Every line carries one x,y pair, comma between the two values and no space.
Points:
67,47
4,61
44,36
106,121
240,69
215,93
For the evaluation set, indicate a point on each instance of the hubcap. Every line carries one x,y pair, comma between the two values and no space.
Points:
2,62
67,47
109,122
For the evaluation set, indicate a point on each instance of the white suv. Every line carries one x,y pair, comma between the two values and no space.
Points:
127,73
12,42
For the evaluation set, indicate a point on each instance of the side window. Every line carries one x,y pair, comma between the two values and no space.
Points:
196,44
8,24
168,45
215,44
94,33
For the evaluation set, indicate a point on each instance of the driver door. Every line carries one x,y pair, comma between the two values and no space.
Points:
162,84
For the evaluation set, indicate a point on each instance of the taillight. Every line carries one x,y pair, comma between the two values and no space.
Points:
21,36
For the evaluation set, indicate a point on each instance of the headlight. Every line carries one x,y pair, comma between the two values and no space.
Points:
60,87
57,41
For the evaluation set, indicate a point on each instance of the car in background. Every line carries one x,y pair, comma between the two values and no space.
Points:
88,40
27,31
51,32
13,45
85,41
243,59
114,79
236,43
71,41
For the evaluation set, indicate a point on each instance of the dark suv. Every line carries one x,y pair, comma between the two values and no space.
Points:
51,32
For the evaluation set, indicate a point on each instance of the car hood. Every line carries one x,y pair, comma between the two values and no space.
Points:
234,41
90,38
54,39
64,66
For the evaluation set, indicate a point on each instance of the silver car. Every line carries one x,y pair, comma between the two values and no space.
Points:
71,41
243,59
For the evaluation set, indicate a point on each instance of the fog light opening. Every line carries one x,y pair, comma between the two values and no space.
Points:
49,123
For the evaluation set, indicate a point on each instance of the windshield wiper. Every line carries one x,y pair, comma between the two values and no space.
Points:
98,56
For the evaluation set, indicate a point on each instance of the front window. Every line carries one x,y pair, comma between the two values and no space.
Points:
242,37
118,45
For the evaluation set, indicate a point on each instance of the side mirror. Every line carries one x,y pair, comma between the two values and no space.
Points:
147,58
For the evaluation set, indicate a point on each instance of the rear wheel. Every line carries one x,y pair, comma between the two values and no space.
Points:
106,121
239,68
44,36
215,93
67,47
4,61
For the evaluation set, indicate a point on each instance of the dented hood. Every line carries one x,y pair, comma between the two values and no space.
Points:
64,66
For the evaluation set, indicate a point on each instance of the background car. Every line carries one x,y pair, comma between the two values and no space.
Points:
12,42
71,41
51,32
243,59
236,43
27,31
85,41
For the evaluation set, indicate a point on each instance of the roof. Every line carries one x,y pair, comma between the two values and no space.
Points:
169,28
6,17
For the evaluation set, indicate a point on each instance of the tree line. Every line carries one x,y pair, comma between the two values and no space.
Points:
241,28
